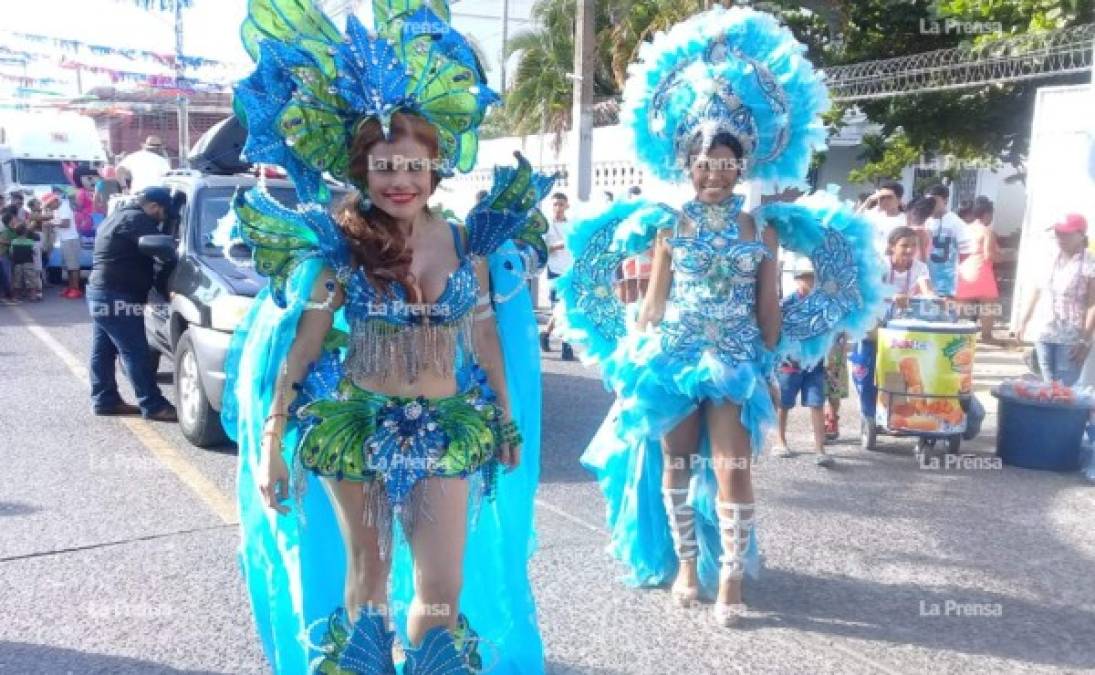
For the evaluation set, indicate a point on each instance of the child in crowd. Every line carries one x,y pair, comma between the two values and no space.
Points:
808,384
26,273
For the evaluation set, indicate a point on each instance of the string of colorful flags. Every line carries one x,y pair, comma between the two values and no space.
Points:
105,50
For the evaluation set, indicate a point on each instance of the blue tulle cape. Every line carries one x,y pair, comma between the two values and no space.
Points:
294,566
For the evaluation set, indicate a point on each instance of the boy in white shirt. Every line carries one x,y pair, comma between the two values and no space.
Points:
947,236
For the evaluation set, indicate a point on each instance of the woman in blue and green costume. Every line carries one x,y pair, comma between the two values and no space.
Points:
371,378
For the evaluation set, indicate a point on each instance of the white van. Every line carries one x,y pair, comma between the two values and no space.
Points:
35,145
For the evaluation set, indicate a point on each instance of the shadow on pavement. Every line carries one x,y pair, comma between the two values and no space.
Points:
17,509
21,657
936,617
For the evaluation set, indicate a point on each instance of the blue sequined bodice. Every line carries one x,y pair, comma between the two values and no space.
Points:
390,336
712,300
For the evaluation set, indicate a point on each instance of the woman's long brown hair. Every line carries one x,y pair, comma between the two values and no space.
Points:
376,241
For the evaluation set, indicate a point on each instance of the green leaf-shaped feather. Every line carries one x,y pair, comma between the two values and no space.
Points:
334,445
515,190
386,11
296,22
276,244
471,439
318,137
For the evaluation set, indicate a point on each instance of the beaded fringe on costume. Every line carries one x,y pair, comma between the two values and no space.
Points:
382,349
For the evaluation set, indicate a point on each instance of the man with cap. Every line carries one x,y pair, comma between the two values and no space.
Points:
121,278
1062,305
146,166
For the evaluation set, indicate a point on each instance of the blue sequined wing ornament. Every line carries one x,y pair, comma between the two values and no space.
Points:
281,238
726,70
848,290
511,211
592,317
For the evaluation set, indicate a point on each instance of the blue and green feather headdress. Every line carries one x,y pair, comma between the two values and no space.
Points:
736,71
313,87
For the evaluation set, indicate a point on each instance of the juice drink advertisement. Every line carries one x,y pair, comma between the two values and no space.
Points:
916,366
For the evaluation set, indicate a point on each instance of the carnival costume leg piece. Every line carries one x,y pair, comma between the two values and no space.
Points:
312,89
730,72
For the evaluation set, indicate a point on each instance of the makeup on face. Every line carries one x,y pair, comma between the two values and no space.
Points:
400,177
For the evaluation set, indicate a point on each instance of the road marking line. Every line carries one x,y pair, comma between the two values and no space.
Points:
162,449
566,516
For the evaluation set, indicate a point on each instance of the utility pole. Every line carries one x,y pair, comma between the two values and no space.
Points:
505,39
581,123
183,99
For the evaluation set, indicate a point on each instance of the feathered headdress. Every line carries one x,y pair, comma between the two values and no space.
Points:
736,71
313,86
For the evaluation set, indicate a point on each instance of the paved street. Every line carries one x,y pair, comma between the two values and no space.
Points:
118,542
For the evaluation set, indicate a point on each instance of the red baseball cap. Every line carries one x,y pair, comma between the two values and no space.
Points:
1073,222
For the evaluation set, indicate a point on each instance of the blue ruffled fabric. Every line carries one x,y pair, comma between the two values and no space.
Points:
294,566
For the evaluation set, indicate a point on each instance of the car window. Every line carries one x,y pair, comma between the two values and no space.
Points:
213,204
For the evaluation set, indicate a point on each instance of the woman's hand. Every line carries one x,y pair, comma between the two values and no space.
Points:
650,315
509,453
901,301
273,478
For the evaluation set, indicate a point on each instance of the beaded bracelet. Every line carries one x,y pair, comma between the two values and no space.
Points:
511,435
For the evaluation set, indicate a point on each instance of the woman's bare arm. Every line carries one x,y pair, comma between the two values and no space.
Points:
661,277
489,353
769,316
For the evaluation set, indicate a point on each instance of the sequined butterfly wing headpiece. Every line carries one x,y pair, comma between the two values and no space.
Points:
314,86
736,71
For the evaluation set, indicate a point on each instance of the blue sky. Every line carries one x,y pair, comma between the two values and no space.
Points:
211,31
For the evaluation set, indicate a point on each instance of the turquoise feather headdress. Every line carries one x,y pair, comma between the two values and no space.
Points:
313,86
736,71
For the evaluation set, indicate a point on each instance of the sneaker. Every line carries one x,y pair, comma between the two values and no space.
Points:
67,293
832,427
825,461
783,451
164,414
76,294
545,342
568,353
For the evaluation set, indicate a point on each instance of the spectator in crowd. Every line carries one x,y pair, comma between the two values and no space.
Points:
69,239
106,187
40,221
946,239
125,179
25,250
559,261
976,276
83,178
884,210
1062,305
121,278
16,200
796,382
907,277
836,385
146,166
7,235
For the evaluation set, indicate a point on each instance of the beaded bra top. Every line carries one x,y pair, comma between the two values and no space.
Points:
712,299
391,336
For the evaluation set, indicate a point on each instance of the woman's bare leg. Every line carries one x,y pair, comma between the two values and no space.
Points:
366,571
732,456
679,446
437,542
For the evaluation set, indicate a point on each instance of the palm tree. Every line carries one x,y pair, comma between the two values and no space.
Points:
541,90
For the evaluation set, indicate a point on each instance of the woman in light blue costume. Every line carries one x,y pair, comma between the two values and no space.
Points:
726,95
388,374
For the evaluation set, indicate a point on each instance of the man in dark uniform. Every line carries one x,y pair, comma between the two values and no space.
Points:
121,278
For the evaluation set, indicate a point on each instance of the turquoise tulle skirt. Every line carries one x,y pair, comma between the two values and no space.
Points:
655,392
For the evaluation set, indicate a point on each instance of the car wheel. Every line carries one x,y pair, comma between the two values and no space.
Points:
199,422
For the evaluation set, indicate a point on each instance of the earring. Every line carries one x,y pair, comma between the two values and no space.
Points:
363,204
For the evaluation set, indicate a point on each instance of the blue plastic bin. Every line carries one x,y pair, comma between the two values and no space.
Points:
1037,435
